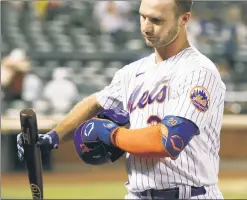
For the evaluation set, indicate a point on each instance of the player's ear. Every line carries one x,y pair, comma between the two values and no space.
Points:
183,20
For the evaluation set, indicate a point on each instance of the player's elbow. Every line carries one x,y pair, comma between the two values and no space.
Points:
171,150
178,133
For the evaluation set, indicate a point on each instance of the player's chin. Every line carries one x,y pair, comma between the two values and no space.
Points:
151,43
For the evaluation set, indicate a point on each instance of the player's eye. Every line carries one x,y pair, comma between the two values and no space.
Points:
155,20
142,16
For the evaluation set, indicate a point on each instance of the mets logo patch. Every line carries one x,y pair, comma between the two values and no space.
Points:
199,97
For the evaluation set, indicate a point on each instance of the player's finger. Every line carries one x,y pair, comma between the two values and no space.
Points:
19,140
20,147
20,154
44,140
41,142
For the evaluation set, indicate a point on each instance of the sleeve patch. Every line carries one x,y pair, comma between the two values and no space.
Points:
200,98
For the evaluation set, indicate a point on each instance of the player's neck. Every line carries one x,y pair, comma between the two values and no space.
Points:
165,52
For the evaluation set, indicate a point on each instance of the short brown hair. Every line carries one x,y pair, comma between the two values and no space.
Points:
183,6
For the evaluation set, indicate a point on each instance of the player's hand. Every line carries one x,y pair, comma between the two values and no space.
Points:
104,124
20,147
46,142
49,140
99,129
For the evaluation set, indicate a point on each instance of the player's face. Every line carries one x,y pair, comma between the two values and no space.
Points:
159,25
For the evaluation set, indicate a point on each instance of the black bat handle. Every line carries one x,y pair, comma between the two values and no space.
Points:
32,153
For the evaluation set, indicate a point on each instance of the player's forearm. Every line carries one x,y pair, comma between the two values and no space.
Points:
84,110
166,139
144,142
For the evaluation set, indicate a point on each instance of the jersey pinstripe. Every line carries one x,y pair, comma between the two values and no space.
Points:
149,92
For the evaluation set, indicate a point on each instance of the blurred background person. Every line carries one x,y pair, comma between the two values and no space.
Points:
114,17
41,8
194,30
47,10
60,92
32,88
14,68
233,23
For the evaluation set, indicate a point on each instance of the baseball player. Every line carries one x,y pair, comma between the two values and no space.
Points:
175,100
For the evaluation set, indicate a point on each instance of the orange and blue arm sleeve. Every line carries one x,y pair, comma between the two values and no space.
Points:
144,142
166,139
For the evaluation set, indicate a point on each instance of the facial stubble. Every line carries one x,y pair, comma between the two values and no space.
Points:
169,38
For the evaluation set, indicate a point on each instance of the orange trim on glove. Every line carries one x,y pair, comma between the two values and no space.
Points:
144,142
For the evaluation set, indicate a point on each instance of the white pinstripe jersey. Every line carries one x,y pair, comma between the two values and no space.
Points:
187,85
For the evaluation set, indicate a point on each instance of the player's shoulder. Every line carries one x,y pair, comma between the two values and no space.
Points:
142,63
200,62
143,60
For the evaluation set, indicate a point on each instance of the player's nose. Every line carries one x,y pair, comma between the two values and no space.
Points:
147,28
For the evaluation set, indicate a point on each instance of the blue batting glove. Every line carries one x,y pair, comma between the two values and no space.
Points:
50,139
20,147
98,129
46,142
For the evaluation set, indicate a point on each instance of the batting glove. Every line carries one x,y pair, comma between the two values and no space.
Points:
98,129
20,147
46,142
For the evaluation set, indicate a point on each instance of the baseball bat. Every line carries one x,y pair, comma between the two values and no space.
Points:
32,154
